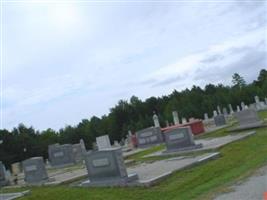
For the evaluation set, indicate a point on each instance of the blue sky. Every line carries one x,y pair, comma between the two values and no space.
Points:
66,61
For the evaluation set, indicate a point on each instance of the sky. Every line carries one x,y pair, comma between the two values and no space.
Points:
64,61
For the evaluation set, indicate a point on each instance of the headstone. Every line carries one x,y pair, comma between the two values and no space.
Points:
106,168
237,108
262,105
184,120
83,146
130,133
225,111
16,168
156,120
220,120
206,117
175,117
265,99
257,99
3,175
192,119
61,155
103,142
77,152
219,110
253,106
231,108
248,118
180,139
167,123
243,105
34,170
149,136
116,143
215,113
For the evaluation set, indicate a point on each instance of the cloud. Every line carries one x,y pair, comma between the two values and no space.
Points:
59,73
217,63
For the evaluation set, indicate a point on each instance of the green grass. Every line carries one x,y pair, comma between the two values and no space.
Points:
263,114
238,160
138,156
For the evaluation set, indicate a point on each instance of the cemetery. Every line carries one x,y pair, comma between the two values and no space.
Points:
160,153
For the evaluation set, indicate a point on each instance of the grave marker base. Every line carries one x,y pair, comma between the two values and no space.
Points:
131,179
196,146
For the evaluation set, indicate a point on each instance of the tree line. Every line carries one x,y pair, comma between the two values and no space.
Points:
23,142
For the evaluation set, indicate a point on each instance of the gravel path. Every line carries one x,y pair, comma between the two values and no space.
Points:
251,189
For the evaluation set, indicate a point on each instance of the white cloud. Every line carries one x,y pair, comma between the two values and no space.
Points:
77,60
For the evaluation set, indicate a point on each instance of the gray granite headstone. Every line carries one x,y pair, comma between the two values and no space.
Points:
219,110
156,120
215,113
206,117
248,119
175,117
253,106
149,136
167,123
34,170
243,105
3,175
184,120
231,108
103,142
77,152
225,112
220,120
257,99
61,155
179,139
106,168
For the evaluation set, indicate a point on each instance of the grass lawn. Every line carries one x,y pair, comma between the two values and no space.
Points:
239,159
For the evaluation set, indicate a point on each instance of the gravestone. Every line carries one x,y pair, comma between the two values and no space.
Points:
253,106
34,170
16,168
220,120
149,136
265,99
167,123
257,99
219,110
180,139
243,105
248,119
103,142
225,111
106,168
156,120
175,117
3,175
184,120
77,152
61,155
231,108
215,113
83,146
206,117
116,143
